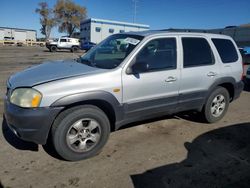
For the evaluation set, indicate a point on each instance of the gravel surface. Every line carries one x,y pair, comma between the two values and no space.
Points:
172,151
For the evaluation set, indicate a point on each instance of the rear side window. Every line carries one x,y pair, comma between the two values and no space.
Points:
63,40
197,52
226,49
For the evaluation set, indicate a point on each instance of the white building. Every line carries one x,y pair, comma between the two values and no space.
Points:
17,34
95,30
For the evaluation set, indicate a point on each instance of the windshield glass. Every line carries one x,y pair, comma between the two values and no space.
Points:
111,52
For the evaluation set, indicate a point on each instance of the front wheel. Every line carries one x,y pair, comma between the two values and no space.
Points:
53,49
216,105
80,132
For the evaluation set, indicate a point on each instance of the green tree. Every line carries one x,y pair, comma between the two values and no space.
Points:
69,15
46,19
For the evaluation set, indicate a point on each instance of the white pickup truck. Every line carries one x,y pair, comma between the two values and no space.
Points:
63,43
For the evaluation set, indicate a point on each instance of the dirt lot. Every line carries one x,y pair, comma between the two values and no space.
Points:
174,151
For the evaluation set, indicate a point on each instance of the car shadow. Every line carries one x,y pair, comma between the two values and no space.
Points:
219,158
14,141
50,150
193,116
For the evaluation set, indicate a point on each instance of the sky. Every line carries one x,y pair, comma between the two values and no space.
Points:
159,14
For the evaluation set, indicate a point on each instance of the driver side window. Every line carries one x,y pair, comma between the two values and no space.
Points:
158,54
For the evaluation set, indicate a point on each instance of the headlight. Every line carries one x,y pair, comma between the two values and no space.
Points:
26,97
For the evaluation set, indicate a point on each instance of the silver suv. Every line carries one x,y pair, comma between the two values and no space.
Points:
77,103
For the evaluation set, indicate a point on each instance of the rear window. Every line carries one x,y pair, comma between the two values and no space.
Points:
226,50
197,52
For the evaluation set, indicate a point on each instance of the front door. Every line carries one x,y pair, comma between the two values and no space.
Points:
153,84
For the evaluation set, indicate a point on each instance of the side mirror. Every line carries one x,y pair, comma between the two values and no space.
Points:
137,68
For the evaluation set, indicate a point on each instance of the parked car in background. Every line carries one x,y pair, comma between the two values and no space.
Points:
245,60
77,103
242,51
87,45
247,80
63,43
246,50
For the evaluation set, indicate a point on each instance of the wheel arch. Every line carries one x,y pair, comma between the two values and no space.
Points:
101,99
227,82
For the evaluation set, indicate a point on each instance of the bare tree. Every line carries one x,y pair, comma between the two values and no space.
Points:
46,19
68,15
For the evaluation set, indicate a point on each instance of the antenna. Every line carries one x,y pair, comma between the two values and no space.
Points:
135,9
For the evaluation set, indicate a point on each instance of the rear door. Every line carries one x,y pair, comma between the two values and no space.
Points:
230,58
199,71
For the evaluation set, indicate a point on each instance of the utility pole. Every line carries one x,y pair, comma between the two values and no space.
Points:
135,10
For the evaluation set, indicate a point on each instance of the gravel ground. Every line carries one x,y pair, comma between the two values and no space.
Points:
172,151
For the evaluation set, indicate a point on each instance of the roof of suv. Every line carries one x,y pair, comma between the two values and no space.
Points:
158,32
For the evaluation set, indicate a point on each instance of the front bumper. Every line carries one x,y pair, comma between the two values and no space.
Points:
30,124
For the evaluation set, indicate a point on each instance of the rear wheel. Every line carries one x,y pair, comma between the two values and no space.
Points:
216,105
80,132
74,49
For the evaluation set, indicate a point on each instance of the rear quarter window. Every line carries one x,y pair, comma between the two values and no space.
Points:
226,50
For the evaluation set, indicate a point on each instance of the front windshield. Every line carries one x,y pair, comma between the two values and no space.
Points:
111,52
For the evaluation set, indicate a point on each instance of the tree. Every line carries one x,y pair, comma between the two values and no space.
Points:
46,19
69,15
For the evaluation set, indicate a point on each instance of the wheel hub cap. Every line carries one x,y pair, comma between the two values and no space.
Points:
83,135
218,105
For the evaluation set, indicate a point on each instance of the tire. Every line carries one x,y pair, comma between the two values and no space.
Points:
216,105
74,49
80,132
53,49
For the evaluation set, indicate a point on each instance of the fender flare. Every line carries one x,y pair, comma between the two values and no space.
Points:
92,95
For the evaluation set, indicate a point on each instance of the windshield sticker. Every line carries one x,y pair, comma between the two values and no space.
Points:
131,41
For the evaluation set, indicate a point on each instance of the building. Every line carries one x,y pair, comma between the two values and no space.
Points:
241,34
17,34
95,30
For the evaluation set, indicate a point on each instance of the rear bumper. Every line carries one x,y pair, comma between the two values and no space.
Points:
30,124
238,88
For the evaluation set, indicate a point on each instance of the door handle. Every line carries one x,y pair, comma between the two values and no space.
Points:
211,74
171,79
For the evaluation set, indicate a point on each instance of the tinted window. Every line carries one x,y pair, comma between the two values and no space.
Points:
226,50
197,52
97,29
158,54
63,40
111,30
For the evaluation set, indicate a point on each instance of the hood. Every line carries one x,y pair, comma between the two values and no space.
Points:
49,71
